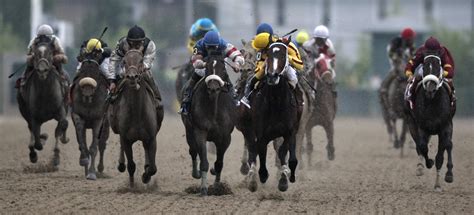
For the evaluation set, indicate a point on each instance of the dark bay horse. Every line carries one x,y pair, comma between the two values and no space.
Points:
135,116
432,115
324,106
184,73
393,107
89,94
212,118
41,99
274,114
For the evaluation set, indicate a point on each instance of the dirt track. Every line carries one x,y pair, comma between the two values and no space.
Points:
367,177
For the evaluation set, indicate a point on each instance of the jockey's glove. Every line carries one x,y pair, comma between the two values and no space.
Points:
199,64
409,74
445,73
239,60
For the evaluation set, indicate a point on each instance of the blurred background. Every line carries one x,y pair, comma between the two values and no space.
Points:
360,31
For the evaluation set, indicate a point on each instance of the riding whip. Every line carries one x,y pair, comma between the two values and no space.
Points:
18,69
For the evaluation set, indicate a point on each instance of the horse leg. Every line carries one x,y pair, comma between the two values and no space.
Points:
79,124
121,165
262,154
439,162
127,147
445,138
91,174
252,175
276,145
403,136
244,167
62,126
422,150
31,145
396,142
293,160
193,151
309,140
201,137
102,144
219,164
36,130
285,171
150,167
329,128
299,144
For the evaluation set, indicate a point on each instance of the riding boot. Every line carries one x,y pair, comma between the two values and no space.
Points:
21,81
188,91
156,91
248,91
453,92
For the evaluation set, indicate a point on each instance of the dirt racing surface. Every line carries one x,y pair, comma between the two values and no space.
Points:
368,176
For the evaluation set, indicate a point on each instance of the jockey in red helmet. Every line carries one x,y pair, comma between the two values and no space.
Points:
431,47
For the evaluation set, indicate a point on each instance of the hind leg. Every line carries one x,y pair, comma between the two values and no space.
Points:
150,167
244,167
403,136
252,175
329,128
193,151
439,163
396,142
91,175
201,137
104,136
276,145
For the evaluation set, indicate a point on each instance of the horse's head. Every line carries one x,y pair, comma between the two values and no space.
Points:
215,73
322,69
89,73
133,64
42,60
432,75
250,57
276,62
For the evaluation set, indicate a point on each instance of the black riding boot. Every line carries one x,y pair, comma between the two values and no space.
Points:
248,91
156,91
188,91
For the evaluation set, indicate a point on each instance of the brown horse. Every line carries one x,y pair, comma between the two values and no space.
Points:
135,116
41,99
324,106
89,93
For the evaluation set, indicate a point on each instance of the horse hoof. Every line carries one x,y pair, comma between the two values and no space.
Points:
91,176
438,189
252,186
64,140
396,144
196,174
33,157
100,168
121,167
44,137
38,146
263,176
213,171
292,178
56,161
283,183
331,156
429,163
244,169
203,191
449,178
146,178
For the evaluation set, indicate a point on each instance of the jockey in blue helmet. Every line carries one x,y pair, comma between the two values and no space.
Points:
198,30
211,44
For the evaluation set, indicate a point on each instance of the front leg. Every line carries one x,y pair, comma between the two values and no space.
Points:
201,137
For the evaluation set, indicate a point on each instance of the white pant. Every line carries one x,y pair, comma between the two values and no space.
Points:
200,72
290,74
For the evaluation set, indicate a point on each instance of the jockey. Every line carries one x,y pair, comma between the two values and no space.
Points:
45,34
261,43
400,48
321,44
431,47
213,44
97,49
135,39
198,30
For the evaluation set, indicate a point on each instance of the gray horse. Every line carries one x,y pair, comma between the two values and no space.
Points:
136,116
41,99
212,117
393,108
89,93
324,107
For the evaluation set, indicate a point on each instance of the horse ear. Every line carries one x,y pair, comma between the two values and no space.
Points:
243,42
287,42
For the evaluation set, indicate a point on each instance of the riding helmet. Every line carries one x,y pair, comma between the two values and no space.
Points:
136,34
